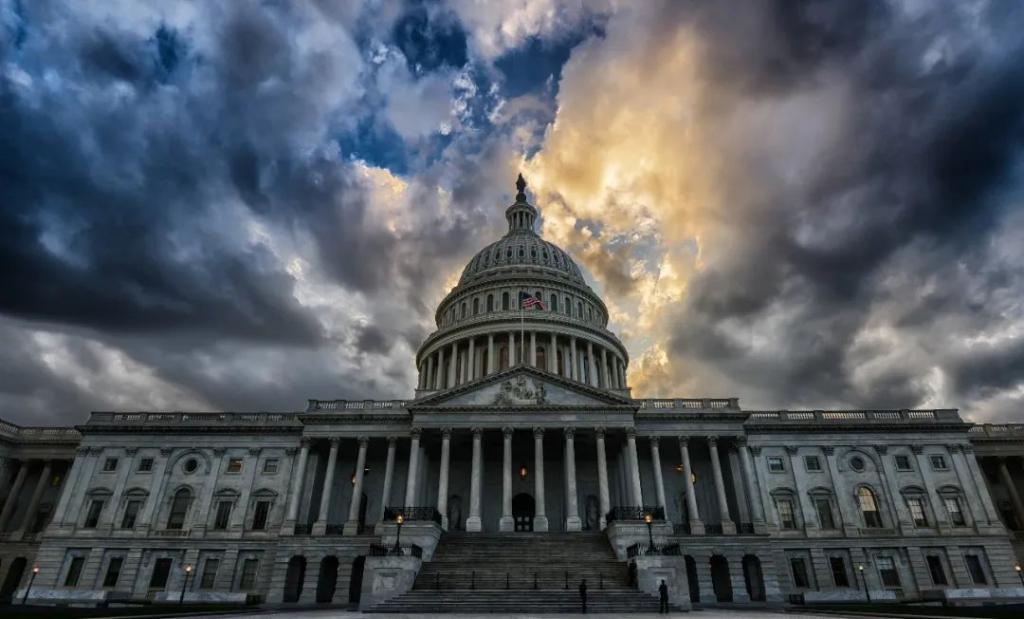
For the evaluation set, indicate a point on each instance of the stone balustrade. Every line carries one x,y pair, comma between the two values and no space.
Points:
313,406
858,416
193,419
38,434
688,403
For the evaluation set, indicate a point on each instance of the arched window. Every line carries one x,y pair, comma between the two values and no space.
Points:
462,310
590,313
869,508
179,509
490,303
554,302
579,310
568,306
476,306
504,299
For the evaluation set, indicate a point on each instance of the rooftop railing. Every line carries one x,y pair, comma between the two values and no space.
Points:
997,430
313,406
689,403
857,416
199,419
38,433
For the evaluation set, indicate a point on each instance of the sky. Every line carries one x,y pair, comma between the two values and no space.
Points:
242,205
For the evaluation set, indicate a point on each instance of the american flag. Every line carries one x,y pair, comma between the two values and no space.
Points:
529,302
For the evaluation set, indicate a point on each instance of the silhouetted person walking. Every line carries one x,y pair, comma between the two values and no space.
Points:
663,594
583,596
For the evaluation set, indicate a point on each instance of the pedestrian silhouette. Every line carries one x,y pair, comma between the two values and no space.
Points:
583,596
663,594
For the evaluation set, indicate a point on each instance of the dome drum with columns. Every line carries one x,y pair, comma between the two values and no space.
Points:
482,329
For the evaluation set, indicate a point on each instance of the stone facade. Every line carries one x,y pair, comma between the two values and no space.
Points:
522,420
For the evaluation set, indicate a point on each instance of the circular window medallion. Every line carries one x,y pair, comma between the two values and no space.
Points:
857,463
191,465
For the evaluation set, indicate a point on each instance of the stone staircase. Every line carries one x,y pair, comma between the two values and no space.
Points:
521,572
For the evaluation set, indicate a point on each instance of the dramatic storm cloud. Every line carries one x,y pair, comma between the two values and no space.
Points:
242,205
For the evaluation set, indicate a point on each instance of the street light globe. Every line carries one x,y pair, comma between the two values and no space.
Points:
188,568
648,518
1018,567
35,569
399,518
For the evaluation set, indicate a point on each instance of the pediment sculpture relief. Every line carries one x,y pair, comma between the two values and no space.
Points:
519,391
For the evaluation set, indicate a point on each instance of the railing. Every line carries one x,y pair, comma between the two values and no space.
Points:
412,513
303,529
38,433
713,529
388,550
689,403
194,419
997,430
313,406
646,550
334,529
745,528
861,416
634,512
171,532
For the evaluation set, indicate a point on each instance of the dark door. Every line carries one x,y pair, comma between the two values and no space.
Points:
720,581
362,513
293,579
691,579
14,574
355,581
327,581
753,577
523,511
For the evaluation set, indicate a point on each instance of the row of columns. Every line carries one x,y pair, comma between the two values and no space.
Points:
13,495
455,363
351,526
1007,480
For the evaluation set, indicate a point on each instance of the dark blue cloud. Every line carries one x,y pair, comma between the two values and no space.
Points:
430,37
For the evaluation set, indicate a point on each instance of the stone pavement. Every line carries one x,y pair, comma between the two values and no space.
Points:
703,614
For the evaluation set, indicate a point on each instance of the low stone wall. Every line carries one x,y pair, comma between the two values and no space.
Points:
387,577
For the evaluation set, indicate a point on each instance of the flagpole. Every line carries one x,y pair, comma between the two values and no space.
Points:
522,337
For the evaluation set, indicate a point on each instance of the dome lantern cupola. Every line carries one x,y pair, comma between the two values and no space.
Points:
521,215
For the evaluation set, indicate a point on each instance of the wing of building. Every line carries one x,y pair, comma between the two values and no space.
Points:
520,466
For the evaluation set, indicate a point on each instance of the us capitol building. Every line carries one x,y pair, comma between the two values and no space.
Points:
520,466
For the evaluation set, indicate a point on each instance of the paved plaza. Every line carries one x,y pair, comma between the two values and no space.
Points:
704,614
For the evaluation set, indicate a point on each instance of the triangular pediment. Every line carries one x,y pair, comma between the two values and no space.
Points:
521,387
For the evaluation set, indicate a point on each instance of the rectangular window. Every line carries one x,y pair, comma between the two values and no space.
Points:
259,518
74,571
161,570
109,465
220,523
248,579
131,512
776,464
234,465
839,575
113,572
917,513
786,516
887,572
209,574
903,463
270,465
92,517
938,463
812,463
975,569
145,465
799,567
937,571
824,508
956,514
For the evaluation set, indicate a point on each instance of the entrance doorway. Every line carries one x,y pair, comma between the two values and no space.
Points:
14,574
720,581
754,578
327,581
293,579
355,582
523,510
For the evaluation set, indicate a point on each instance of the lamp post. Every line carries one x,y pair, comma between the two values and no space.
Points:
35,570
399,519
1020,573
188,572
649,519
863,579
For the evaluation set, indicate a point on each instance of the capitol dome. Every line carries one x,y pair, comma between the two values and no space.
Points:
483,328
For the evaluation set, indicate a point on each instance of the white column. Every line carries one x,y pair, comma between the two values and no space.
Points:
605,374
553,354
696,524
389,476
355,503
506,523
473,523
591,365
659,482
511,349
472,358
490,354
438,377
442,481
634,467
12,496
320,526
69,485
540,518
966,452
296,491
1007,481
716,469
414,457
533,349
428,380
453,365
749,483
602,478
572,516
574,368
37,494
